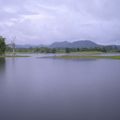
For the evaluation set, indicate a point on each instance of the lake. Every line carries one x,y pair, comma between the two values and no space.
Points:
56,89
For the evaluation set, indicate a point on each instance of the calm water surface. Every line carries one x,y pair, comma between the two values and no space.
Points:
53,89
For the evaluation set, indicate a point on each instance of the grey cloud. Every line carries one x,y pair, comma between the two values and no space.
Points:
46,21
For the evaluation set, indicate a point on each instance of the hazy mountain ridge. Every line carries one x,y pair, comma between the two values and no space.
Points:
76,44
66,44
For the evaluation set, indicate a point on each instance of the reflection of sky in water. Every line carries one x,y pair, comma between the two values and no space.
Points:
59,89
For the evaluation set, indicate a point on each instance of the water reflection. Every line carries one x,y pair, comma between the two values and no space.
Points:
54,89
2,68
2,64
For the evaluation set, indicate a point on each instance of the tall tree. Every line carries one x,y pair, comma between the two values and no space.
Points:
2,45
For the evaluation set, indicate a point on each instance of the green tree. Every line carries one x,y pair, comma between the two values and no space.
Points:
2,45
67,50
53,50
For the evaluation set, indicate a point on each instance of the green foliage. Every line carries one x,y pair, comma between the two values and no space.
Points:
67,50
102,49
2,45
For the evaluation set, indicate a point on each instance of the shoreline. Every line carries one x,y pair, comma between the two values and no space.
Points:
16,56
69,56
87,57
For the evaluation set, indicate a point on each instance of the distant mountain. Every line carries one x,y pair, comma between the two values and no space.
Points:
60,44
76,44
66,44
118,47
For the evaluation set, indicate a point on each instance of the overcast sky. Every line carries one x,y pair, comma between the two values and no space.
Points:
46,21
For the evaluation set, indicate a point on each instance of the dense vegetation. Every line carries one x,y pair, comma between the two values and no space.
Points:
2,45
64,50
60,47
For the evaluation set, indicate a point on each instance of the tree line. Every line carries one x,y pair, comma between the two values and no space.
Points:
64,50
2,45
5,48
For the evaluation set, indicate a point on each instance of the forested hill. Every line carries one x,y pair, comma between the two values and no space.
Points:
76,44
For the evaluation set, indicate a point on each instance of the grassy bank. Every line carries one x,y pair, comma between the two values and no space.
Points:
87,52
87,57
10,56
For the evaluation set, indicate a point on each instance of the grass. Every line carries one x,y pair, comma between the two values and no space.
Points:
88,57
87,52
10,56
82,55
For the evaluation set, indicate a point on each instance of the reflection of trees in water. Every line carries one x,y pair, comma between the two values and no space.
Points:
2,72
2,63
